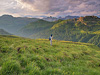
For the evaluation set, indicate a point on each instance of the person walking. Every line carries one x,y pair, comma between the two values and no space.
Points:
50,38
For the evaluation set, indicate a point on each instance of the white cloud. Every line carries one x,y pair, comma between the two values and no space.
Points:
88,12
50,7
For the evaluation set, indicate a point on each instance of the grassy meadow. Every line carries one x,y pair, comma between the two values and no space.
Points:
23,56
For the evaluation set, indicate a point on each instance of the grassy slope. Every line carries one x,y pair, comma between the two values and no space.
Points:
21,56
3,32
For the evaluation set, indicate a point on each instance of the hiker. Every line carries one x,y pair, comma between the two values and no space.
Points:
50,38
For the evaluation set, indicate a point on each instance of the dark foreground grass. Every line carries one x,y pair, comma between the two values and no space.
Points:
20,56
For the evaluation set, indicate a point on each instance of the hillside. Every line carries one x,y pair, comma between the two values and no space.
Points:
3,32
13,24
35,27
21,56
84,29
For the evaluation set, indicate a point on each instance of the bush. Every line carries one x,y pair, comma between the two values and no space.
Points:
10,68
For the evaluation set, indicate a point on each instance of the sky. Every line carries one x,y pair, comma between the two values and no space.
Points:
55,8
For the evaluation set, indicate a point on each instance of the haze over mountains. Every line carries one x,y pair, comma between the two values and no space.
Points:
3,32
71,28
13,24
61,18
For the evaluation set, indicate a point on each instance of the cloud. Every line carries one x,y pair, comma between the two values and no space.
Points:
51,7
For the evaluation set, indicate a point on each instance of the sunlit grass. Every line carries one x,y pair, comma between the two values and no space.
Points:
20,56
97,32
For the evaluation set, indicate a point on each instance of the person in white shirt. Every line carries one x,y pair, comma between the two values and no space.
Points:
50,38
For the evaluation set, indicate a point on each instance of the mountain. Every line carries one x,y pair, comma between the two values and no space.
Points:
68,17
21,56
35,27
13,24
51,19
3,32
84,29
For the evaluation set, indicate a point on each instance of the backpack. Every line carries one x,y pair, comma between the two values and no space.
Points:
50,38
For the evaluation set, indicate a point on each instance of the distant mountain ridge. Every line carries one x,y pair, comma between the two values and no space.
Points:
50,19
69,17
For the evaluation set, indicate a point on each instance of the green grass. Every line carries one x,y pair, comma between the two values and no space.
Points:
22,56
97,32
